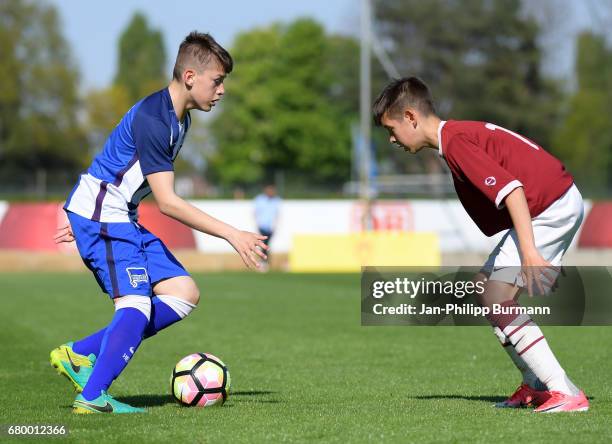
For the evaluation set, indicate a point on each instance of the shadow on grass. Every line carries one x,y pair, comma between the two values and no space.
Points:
468,398
141,400
147,400
252,393
255,396
472,398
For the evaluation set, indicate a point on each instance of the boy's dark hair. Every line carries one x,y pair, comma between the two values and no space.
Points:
198,48
401,94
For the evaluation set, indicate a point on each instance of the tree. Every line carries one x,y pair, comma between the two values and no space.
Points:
140,72
285,108
479,57
105,107
584,139
38,94
142,59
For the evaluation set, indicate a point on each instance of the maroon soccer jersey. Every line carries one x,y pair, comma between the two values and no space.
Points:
488,162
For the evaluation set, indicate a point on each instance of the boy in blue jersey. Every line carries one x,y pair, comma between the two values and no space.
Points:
149,287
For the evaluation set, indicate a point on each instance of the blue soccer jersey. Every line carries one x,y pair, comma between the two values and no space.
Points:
146,141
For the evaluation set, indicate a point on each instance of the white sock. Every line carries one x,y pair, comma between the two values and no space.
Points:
140,303
180,306
530,345
529,377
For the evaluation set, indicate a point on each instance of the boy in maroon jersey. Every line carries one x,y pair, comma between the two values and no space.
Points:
505,182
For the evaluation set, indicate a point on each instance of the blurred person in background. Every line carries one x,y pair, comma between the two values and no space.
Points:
267,207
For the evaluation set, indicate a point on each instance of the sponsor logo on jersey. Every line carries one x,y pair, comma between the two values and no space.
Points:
137,275
490,181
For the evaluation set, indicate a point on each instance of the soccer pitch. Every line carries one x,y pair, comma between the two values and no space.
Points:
302,367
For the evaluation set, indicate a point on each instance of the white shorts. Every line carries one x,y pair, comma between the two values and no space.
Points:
553,231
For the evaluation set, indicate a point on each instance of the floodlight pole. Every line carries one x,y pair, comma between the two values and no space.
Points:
365,100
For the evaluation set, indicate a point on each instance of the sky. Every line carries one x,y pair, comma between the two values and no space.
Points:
93,28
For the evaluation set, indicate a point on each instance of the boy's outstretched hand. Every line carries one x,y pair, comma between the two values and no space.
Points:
64,234
249,246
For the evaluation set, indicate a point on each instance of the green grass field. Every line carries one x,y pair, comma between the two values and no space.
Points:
303,369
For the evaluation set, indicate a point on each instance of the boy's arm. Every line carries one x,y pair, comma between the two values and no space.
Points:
170,204
533,263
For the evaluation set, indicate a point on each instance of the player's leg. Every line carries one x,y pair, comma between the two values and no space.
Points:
77,365
121,266
130,271
554,231
121,340
499,293
174,299
74,366
175,294
89,345
524,340
529,390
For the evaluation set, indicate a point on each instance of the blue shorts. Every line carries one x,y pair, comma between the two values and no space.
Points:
125,258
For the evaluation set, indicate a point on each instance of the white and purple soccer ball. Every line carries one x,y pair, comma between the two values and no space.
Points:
200,380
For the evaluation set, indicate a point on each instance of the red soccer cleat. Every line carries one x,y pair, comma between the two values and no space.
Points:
524,396
562,402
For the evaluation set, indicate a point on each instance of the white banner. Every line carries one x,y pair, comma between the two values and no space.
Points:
447,218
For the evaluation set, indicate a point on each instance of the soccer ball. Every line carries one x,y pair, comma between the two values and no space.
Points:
201,380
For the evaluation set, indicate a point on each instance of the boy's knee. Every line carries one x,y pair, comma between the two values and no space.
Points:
193,295
182,287
189,292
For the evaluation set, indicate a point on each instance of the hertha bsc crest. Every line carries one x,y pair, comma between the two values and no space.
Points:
137,275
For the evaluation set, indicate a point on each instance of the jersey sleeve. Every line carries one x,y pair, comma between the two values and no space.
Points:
152,139
478,168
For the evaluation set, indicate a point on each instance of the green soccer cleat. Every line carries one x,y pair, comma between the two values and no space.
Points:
104,403
77,368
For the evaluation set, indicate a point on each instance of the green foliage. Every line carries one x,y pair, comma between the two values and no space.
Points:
38,94
585,136
479,57
105,107
140,72
142,59
288,107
